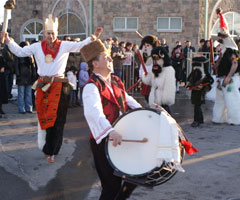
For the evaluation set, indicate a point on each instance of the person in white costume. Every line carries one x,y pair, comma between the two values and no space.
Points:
161,79
52,93
226,108
147,44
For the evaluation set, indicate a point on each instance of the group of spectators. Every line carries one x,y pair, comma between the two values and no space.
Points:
126,62
26,73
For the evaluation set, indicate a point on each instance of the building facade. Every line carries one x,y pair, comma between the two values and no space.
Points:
171,19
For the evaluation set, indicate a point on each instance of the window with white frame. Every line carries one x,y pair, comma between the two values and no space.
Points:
32,30
169,24
125,23
70,24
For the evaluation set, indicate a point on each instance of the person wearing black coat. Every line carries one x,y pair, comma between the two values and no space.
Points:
188,48
199,83
3,88
8,69
177,62
25,76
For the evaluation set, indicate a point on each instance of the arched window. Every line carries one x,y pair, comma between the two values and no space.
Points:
32,30
70,24
233,22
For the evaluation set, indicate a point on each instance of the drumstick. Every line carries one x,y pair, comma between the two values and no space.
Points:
144,140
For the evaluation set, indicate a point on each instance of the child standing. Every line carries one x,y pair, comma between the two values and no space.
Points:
177,62
199,83
83,78
72,77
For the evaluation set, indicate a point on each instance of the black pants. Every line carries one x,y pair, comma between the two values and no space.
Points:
54,136
198,115
112,187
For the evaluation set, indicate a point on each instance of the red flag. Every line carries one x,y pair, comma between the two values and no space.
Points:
189,147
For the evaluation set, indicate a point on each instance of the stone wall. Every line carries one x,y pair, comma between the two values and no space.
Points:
148,11
23,12
191,11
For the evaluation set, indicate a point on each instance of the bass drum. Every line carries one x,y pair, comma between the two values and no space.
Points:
136,162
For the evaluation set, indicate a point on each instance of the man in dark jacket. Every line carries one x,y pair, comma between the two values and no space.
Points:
188,48
117,55
26,74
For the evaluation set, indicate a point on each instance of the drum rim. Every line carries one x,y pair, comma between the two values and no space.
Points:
134,110
107,139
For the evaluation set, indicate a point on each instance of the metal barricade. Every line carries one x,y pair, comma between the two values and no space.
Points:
129,76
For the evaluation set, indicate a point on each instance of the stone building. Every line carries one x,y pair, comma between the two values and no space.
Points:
171,19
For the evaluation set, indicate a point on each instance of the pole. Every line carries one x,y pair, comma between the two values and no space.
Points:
9,5
206,20
90,17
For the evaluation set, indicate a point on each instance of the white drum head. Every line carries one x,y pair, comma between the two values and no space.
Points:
134,158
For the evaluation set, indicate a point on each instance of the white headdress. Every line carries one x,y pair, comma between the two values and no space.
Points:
50,24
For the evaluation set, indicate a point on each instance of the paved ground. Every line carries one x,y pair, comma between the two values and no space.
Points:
212,174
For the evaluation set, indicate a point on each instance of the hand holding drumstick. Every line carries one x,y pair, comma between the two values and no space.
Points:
117,139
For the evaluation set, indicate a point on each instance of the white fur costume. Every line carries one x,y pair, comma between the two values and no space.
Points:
227,103
163,87
226,107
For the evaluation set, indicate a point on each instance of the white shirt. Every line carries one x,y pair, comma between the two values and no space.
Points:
72,79
55,68
93,111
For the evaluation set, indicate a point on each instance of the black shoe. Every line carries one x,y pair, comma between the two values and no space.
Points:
22,112
195,124
29,111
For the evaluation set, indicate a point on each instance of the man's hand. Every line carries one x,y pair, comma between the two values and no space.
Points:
98,32
226,81
116,137
5,36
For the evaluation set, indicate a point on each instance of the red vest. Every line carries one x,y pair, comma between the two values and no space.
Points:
112,104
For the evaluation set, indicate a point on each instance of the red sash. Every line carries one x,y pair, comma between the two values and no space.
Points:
47,104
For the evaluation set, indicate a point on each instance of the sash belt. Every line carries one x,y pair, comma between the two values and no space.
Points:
55,79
